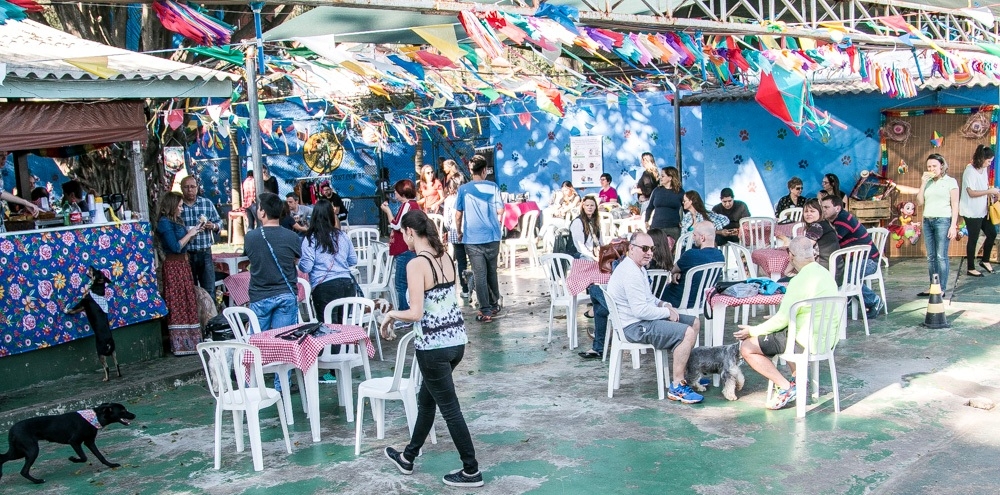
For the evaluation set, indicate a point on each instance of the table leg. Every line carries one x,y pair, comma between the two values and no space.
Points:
311,388
718,327
571,322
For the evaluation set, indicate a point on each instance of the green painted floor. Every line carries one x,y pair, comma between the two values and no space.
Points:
542,421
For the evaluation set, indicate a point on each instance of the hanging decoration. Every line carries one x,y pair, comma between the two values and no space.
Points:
897,130
323,152
976,126
937,139
902,168
192,23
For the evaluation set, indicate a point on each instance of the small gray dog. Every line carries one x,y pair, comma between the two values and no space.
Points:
722,359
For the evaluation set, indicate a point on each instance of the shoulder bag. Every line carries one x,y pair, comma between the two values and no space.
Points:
994,212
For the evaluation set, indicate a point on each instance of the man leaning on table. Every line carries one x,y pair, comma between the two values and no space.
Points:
647,320
763,341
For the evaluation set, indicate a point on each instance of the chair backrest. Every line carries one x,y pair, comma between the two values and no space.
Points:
401,350
556,266
527,224
227,372
739,264
381,269
852,260
607,222
694,296
794,214
797,229
614,318
658,281
549,232
684,242
362,237
438,223
824,323
353,310
242,331
757,232
627,227
879,236
305,301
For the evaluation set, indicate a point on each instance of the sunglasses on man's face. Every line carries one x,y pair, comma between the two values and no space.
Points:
644,249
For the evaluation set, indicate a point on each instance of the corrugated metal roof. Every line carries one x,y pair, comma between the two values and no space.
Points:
36,51
840,81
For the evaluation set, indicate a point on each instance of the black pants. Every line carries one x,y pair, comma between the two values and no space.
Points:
463,264
329,291
989,230
438,390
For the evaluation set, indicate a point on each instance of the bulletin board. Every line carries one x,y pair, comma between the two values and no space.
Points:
908,136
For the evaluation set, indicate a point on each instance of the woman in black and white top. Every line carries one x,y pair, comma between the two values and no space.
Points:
586,230
972,205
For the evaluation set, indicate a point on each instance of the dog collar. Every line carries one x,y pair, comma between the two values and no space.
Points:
100,300
91,417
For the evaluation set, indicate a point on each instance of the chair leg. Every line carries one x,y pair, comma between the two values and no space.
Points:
357,425
253,428
801,376
814,379
864,313
607,343
302,395
284,426
238,428
552,311
286,390
613,369
881,289
218,436
658,356
378,411
836,385
346,392
378,340
410,408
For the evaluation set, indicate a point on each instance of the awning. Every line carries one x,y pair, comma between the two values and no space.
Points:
30,125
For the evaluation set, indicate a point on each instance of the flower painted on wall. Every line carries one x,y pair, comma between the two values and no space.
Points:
720,142
744,135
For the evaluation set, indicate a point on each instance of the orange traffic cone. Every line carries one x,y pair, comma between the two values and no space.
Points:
934,318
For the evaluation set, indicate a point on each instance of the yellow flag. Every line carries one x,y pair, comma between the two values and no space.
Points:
97,66
442,37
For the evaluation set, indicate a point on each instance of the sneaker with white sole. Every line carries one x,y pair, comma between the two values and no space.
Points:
684,394
398,460
460,478
783,397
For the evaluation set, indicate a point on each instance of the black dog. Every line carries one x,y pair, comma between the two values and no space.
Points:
73,429
95,306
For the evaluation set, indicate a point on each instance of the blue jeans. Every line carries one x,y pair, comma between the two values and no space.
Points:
868,295
203,270
438,390
483,258
936,243
401,260
600,317
276,311
463,264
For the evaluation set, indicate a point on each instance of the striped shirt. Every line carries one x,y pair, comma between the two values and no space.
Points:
850,232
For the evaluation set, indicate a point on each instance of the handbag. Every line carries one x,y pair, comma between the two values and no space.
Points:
994,212
610,253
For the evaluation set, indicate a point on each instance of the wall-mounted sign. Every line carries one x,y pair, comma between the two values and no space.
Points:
586,160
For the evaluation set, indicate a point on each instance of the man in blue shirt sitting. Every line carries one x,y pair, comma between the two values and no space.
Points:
703,252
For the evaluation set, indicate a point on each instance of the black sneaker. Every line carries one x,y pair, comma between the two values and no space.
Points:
459,478
404,466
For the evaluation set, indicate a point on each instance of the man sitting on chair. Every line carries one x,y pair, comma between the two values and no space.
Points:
647,320
702,253
768,339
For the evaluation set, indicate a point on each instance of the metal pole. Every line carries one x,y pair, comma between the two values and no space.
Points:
677,130
258,35
254,127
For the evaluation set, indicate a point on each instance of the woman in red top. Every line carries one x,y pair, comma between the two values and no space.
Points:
431,191
406,194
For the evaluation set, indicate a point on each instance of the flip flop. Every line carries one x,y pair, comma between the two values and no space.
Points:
589,313
590,354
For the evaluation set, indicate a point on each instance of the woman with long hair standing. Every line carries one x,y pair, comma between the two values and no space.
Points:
183,324
664,210
586,230
938,194
439,346
327,257
973,207
405,193
431,190
695,211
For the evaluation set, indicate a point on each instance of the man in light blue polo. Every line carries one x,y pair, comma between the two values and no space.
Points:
478,208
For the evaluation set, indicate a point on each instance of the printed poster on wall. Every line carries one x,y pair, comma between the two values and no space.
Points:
587,160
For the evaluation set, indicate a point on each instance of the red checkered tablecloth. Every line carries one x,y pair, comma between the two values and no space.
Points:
784,229
771,260
719,300
303,355
228,262
238,287
583,273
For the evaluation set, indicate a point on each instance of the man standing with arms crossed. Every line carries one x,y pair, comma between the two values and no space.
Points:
477,218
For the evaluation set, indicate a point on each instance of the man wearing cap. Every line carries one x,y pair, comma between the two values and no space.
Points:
733,210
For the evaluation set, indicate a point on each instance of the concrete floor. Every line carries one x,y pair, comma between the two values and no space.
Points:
542,422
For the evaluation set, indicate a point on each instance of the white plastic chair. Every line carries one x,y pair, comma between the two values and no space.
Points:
853,260
527,239
242,399
362,239
794,214
739,266
627,227
381,273
555,266
348,205
234,316
305,302
757,232
684,242
438,224
607,223
351,355
395,387
825,324
879,236
548,233
620,344
693,298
